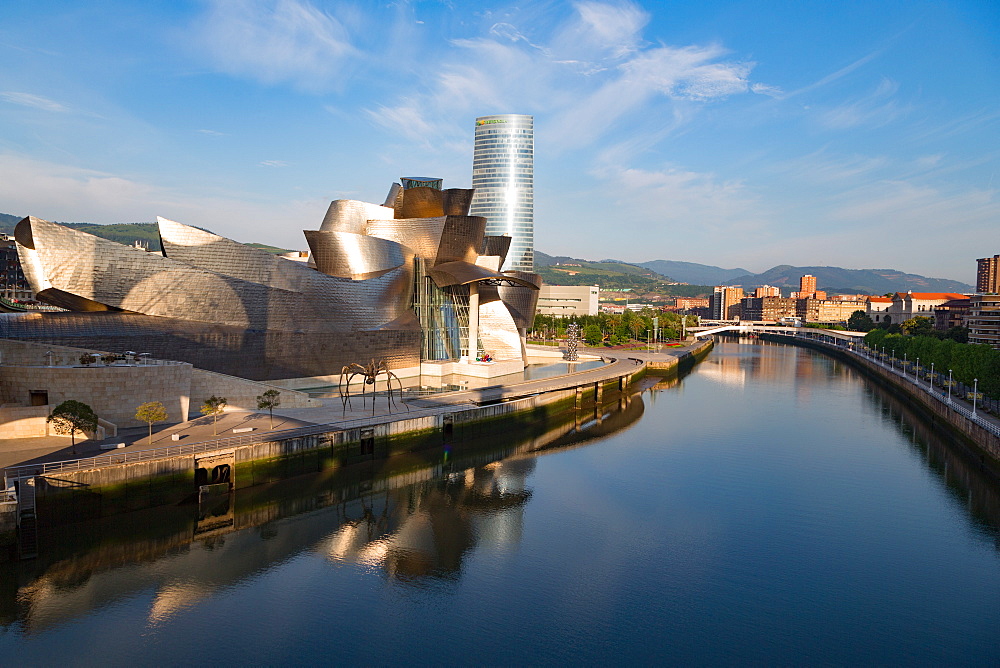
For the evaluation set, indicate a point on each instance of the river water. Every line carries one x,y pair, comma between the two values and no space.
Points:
772,506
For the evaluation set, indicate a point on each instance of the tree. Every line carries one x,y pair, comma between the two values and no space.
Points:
214,406
72,416
269,401
592,335
918,326
151,412
860,322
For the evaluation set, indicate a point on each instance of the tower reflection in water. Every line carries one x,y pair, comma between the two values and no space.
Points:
412,518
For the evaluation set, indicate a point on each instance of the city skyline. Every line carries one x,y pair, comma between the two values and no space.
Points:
859,135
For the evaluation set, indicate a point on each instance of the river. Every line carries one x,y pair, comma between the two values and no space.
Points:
772,506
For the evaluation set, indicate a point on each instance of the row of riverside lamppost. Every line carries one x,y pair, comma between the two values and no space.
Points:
974,395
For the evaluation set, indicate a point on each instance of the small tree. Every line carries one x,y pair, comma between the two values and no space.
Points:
860,322
72,416
592,335
214,406
151,412
269,401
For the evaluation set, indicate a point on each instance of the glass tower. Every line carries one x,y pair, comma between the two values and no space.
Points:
503,175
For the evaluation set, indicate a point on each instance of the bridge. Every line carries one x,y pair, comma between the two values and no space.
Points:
764,328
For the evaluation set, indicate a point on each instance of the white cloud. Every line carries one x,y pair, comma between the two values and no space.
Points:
586,76
33,101
273,163
274,41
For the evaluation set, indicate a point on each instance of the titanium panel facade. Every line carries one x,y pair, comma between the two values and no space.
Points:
503,178
378,285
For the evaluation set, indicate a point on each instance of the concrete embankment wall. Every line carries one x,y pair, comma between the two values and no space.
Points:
109,490
935,411
684,360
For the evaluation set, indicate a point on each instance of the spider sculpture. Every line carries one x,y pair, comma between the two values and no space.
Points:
370,373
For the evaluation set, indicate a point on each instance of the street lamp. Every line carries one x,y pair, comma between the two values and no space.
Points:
48,355
975,394
949,386
930,381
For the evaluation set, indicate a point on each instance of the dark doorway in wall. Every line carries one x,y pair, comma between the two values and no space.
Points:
39,397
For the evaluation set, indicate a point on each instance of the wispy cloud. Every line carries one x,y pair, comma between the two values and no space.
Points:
587,73
838,74
212,133
873,110
273,163
33,101
274,41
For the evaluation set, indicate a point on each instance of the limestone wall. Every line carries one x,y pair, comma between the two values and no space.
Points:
240,393
24,353
24,421
114,392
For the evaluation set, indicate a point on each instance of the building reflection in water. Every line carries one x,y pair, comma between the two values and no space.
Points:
426,530
408,522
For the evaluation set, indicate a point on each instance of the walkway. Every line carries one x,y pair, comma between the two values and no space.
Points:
197,435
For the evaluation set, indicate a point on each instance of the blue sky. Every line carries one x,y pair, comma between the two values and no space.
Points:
857,134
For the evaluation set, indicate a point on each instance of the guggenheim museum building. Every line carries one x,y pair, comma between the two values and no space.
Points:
413,280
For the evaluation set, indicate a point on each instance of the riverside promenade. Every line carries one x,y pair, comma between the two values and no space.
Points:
54,453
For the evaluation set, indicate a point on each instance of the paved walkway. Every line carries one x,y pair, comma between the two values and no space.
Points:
53,448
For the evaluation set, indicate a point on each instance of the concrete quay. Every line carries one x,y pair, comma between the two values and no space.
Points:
306,440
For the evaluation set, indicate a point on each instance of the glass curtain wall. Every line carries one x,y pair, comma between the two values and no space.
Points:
443,314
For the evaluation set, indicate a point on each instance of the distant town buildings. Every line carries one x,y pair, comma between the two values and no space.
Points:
984,319
807,284
691,302
726,302
877,308
767,291
952,313
807,289
568,300
827,310
768,308
906,305
988,275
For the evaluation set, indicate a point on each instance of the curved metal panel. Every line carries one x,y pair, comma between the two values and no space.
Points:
421,235
457,201
421,203
498,333
521,301
355,256
349,215
121,277
461,238
496,245
220,255
463,273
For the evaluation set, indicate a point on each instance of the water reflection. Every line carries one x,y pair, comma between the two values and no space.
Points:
411,518
775,535
970,477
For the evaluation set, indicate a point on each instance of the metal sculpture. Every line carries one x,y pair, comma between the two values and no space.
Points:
370,373
572,342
